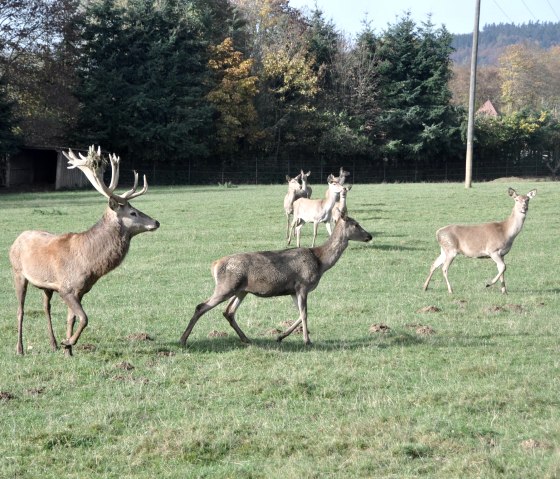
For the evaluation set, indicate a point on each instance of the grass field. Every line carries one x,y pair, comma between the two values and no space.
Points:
462,385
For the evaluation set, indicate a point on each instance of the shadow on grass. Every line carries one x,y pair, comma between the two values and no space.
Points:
295,344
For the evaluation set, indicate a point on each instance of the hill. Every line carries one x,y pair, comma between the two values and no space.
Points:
494,38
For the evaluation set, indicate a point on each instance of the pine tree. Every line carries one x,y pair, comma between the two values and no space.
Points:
144,81
420,125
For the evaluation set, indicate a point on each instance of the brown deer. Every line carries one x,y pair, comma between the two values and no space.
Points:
314,211
340,207
486,240
294,192
294,271
71,263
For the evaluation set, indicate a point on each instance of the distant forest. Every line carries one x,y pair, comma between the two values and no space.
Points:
494,38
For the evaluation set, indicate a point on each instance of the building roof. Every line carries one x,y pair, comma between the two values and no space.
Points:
487,109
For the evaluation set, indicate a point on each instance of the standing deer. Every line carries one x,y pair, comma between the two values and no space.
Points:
314,211
340,206
71,263
294,271
294,192
486,240
306,190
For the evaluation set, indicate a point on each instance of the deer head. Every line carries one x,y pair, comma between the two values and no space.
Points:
133,220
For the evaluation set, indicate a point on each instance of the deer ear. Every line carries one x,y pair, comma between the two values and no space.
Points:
532,193
288,178
113,204
512,192
308,173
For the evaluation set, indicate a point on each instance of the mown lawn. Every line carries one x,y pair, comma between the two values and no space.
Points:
462,385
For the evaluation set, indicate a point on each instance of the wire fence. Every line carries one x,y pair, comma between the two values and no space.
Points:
362,171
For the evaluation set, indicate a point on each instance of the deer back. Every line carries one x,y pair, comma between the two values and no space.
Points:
267,273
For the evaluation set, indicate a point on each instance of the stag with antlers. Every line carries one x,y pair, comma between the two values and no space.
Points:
71,263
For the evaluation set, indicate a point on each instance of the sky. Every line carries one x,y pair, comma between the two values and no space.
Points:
456,15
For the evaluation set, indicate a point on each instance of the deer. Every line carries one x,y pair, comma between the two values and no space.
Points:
340,206
293,271
314,211
306,190
71,263
486,240
342,174
294,189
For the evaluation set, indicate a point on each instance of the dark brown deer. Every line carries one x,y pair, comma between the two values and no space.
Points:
71,263
486,240
294,271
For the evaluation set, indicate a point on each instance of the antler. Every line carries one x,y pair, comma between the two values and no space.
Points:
91,166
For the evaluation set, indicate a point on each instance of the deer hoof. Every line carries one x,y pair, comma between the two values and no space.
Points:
68,351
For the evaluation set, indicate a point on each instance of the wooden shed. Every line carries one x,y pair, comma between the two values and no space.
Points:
40,167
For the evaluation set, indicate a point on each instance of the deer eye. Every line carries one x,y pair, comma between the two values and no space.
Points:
133,213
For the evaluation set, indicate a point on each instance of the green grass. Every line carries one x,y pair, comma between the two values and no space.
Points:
480,397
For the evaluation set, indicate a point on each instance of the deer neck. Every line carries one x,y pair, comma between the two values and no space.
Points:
329,201
515,222
107,242
330,251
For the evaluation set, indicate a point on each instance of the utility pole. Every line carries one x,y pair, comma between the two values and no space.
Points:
472,91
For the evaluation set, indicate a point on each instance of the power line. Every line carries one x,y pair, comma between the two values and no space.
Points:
553,11
502,10
528,9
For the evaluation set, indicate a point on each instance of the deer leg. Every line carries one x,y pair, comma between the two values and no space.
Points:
201,309
445,268
229,314
291,230
501,270
300,300
21,289
47,295
288,226
74,305
315,228
436,264
329,227
298,233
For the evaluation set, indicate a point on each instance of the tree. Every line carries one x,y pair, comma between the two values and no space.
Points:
233,98
9,139
144,80
420,125
39,67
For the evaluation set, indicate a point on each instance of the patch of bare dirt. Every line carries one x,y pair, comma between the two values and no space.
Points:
87,347
462,303
139,337
512,308
529,444
165,353
494,309
289,323
6,396
379,328
429,309
121,377
272,332
35,391
425,330
125,365
217,334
